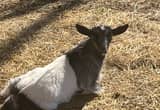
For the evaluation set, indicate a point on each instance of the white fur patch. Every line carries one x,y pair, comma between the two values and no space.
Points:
50,85
103,27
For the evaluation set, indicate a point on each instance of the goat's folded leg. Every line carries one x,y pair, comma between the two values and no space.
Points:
9,87
97,89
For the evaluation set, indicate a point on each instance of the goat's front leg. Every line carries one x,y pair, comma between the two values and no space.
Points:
96,89
9,87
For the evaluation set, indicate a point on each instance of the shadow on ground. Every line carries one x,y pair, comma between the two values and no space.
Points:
77,102
23,7
13,46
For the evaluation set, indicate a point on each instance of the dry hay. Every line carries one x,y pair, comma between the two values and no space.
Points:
36,36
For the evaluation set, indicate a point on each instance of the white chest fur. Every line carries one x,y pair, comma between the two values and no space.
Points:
50,85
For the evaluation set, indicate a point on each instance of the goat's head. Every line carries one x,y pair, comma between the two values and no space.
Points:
101,35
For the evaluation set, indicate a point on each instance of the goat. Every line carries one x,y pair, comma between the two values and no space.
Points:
44,88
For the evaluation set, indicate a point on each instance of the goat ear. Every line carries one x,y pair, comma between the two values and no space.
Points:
119,30
83,30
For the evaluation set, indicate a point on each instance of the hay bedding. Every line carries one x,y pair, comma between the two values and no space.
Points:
131,72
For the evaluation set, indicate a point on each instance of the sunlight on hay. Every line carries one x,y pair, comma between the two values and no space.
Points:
132,67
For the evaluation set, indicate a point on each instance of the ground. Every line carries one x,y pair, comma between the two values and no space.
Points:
34,32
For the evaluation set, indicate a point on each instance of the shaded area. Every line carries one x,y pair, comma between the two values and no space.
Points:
7,7
18,102
1,101
13,46
23,7
77,102
151,8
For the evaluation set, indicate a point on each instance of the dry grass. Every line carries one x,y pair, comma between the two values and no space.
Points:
38,31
